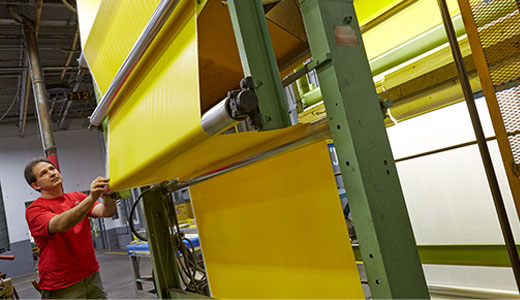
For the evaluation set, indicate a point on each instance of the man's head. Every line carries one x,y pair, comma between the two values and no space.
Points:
41,174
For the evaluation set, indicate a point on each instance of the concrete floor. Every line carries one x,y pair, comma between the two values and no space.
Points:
116,274
117,277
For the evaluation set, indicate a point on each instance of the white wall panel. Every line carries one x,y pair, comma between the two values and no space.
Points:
447,194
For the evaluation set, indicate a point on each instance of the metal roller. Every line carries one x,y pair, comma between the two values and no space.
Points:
236,107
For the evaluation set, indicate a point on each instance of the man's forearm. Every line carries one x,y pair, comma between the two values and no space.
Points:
68,219
105,210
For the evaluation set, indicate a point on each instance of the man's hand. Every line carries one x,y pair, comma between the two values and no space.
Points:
69,218
98,187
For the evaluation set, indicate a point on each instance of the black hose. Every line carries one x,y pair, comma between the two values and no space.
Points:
131,217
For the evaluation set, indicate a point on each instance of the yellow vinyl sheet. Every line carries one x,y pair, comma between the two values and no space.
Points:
86,19
114,31
275,229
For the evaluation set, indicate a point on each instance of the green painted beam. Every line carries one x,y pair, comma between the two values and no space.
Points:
258,61
367,166
181,294
460,255
162,249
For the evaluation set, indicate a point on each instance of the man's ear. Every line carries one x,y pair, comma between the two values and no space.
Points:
35,186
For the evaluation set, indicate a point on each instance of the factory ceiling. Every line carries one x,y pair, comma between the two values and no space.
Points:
59,50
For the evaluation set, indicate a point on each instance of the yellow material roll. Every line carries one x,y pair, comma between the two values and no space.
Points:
154,122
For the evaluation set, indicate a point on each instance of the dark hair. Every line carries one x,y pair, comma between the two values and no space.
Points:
28,172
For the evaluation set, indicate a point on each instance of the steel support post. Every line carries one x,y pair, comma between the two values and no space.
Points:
162,248
376,200
258,61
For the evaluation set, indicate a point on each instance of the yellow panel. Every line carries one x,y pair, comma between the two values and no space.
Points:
411,22
275,229
115,30
367,10
87,10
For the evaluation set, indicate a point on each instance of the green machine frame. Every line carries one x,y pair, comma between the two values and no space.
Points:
367,165
386,240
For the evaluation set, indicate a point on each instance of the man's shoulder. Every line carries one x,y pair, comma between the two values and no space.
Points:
36,203
36,207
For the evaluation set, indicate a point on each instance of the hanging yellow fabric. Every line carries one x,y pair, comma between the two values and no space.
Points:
275,229
86,19
117,26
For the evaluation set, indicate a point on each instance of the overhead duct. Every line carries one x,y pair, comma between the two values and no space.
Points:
38,82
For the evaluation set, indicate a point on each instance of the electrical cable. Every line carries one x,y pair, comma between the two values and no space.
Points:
131,217
70,7
188,266
10,106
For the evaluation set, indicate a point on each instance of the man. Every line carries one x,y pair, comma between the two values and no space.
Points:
58,222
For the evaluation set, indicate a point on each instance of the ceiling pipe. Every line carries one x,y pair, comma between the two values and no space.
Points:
27,90
74,44
82,70
38,82
37,17
69,59
70,7
27,87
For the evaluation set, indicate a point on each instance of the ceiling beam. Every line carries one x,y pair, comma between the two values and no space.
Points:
49,68
32,3
55,23
67,51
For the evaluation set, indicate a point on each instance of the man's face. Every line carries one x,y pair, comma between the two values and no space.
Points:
47,176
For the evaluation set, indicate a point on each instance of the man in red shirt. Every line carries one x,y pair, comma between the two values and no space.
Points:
59,224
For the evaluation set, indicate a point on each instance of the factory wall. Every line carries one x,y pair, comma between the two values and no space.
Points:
81,157
447,194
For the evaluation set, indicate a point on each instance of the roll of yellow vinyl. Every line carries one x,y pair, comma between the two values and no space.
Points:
154,130
275,230
154,122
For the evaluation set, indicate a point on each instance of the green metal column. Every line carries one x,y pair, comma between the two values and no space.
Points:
375,197
258,61
162,249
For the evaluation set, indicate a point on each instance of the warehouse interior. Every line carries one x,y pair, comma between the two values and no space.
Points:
271,148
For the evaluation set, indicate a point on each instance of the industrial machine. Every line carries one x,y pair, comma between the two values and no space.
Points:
183,72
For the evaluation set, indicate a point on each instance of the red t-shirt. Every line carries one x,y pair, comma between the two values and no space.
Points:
65,257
